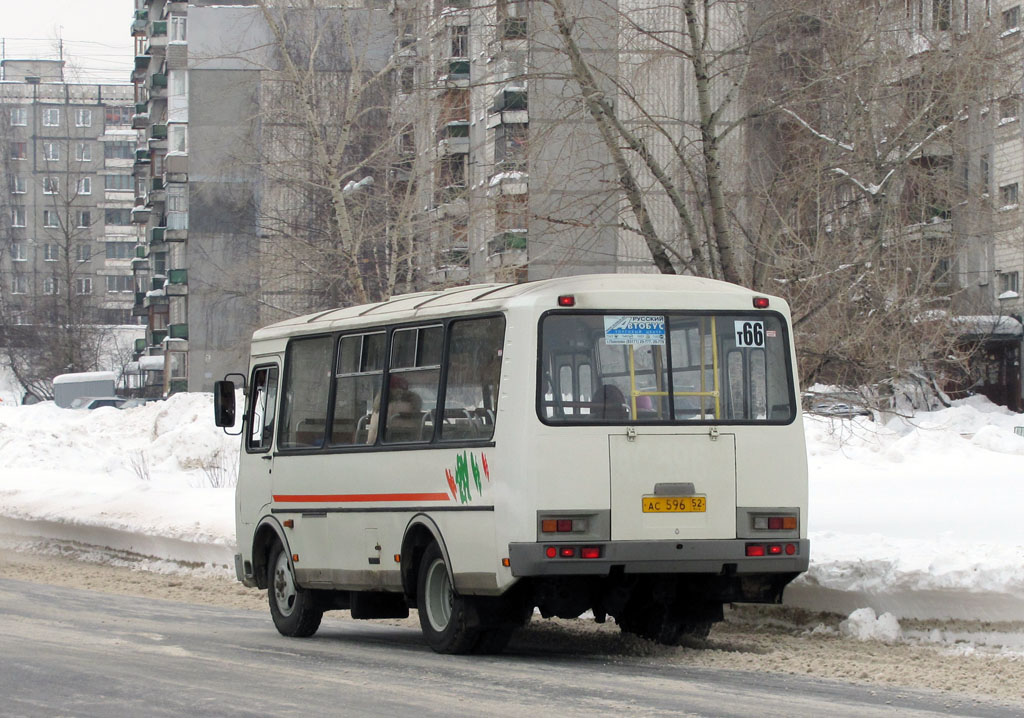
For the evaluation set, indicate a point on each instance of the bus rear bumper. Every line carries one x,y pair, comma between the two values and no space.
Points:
713,556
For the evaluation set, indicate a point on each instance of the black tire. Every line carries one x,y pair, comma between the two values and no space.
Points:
445,616
295,611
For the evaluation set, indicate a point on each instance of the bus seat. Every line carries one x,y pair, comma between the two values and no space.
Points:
612,404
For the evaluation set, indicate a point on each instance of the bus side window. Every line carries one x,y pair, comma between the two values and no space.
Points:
414,376
307,381
261,411
357,386
474,371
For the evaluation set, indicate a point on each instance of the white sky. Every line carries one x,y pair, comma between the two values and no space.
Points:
97,39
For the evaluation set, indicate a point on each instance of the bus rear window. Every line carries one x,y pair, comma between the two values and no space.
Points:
665,368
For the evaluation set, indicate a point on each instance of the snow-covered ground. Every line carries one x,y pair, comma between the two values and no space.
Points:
918,518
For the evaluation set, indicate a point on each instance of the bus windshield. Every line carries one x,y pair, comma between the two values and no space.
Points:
665,368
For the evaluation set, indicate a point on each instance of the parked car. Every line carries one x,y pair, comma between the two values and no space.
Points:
95,402
840,409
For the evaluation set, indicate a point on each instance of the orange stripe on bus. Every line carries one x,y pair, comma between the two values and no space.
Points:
348,498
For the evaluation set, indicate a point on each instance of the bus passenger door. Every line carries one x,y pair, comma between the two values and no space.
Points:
257,459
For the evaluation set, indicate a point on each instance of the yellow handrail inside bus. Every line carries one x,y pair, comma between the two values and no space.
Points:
715,392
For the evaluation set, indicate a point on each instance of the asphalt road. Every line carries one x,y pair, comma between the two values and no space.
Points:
70,652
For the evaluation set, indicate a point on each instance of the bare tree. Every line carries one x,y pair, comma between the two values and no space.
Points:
814,149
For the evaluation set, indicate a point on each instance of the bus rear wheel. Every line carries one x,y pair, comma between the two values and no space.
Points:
295,611
445,616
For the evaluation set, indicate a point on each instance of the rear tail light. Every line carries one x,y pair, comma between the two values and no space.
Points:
770,549
572,551
564,525
775,523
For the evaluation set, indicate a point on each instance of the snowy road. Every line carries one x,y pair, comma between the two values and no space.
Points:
75,652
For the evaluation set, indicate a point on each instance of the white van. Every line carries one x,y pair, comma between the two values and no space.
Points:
629,445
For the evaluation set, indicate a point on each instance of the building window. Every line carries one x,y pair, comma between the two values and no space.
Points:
119,250
51,151
83,152
1008,195
85,219
407,79
18,185
19,252
119,284
177,136
50,218
18,150
85,185
1011,19
83,252
118,150
121,217
510,146
51,252
460,40
51,285
119,115
51,185
83,285
19,116
118,182
178,28
51,117
17,216
1009,108
1009,282
19,284
942,14
83,118
985,171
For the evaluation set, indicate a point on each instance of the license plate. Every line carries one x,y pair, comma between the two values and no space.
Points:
674,504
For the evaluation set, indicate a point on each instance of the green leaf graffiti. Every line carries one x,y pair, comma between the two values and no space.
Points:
462,478
476,475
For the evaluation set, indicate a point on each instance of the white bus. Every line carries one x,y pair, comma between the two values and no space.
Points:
622,444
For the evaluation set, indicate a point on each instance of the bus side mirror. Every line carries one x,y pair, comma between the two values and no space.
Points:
224,403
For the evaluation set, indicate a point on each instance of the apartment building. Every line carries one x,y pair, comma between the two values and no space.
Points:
211,112
66,240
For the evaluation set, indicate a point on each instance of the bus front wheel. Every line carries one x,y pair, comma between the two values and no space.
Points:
444,615
295,611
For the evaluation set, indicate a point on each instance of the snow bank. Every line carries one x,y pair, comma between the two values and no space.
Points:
917,518
148,470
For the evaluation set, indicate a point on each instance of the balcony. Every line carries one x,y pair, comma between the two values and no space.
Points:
512,28
177,284
142,156
456,74
140,344
157,234
510,98
140,121
158,83
177,331
176,166
454,138
158,132
513,240
142,62
140,214
159,28
141,251
158,334
138,28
